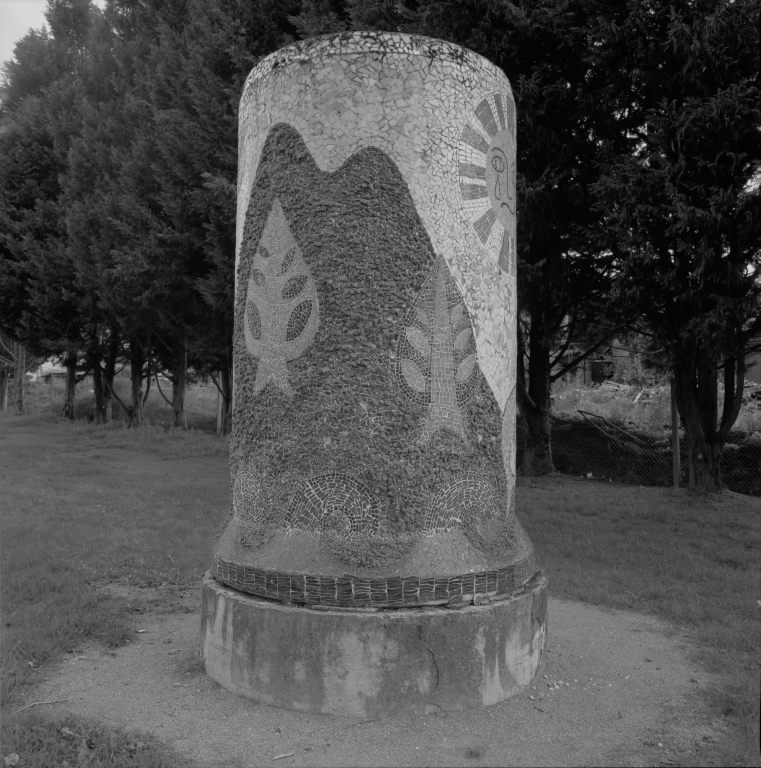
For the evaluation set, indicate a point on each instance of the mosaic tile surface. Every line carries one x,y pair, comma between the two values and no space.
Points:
372,452
335,504
445,116
436,356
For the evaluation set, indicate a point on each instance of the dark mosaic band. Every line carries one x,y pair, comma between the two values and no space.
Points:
349,591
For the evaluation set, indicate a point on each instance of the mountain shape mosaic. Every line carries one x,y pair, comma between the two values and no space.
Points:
367,440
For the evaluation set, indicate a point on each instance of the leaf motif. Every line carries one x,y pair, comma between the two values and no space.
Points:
294,286
418,341
465,369
257,276
463,337
422,317
298,320
456,316
254,320
288,260
263,252
413,375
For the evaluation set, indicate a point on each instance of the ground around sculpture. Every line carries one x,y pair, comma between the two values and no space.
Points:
92,509
619,689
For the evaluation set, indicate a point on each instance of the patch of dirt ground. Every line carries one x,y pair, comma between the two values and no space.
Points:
618,689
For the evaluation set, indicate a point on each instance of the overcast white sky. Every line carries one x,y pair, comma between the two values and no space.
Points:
16,17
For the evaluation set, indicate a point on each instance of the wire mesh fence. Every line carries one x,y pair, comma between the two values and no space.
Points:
589,445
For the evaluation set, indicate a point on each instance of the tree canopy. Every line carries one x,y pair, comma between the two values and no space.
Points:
681,206
637,146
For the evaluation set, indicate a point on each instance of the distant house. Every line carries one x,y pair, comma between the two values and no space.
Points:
598,367
48,368
608,359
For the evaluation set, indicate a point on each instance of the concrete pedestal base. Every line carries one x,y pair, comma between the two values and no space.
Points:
415,660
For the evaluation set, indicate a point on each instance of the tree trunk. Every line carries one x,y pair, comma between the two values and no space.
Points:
20,376
178,387
109,374
71,386
4,381
94,363
534,403
704,460
537,453
224,417
136,361
695,380
97,390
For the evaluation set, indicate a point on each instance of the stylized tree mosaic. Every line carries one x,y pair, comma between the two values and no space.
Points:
282,310
436,357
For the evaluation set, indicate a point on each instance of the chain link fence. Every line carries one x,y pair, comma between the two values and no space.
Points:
588,444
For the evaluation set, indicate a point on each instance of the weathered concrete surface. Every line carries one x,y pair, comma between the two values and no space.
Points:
372,664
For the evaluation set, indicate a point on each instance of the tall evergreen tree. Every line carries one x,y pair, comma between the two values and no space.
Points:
200,57
682,205
38,298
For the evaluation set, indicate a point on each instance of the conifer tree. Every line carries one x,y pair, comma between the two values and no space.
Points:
681,205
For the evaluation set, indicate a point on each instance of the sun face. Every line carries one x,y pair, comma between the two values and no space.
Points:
486,155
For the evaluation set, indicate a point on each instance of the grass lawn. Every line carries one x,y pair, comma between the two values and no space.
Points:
83,506
691,560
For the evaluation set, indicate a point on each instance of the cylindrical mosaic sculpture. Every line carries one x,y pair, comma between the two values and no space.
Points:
373,446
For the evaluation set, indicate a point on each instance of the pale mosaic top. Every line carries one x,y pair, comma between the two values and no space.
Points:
446,117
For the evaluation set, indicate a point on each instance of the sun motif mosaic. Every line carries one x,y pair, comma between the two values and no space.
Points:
487,172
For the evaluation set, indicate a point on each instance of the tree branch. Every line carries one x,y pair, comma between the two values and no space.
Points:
733,375
579,359
161,392
217,384
569,334
127,410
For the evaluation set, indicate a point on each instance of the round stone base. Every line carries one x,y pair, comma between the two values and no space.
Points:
413,660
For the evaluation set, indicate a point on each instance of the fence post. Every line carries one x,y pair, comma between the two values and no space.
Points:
675,437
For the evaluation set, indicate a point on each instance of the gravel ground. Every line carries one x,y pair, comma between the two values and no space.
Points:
618,689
